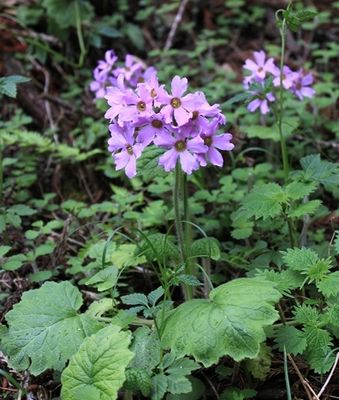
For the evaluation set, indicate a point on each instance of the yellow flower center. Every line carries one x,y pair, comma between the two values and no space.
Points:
180,145
195,114
175,102
156,123
129,150
208,140
141,106
153,93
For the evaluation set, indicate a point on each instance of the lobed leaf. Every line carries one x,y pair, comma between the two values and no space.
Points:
97,370
230,323
45,329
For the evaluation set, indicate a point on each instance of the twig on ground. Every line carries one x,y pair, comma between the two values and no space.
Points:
175,24
46,102
307,386
214,390
329,376
334,144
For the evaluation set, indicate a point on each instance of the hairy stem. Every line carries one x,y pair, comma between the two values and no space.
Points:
1,175
80,35
180,198
280,114
283,147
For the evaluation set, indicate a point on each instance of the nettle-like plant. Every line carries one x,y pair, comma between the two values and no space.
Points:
98,348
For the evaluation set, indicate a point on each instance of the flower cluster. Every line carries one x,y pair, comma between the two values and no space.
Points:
184,125
108,70
264,76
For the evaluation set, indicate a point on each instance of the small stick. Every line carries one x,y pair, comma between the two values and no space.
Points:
175,24
329,376
304,382
8,389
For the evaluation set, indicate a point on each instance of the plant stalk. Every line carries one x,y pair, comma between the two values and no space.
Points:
1,174
80,35
283,147
180,198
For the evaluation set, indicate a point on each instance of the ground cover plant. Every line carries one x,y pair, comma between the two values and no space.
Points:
169,187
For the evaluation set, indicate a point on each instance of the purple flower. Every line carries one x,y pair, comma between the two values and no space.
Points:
301,85
152,86
185,125
102,77
124,149
151,127
215,142
174,104
258,68
200,110
116,97
132,70
105,66
138,105
261,101
288,77
98,86
180,147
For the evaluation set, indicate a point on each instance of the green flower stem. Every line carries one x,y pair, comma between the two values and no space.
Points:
177,212
279,117
188,226
180,198
1,174
283,147
81,41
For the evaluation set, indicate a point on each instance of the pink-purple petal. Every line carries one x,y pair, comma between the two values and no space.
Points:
188,162
169,159
215,157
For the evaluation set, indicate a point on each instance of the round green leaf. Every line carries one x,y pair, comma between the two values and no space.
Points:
45,329
97,370
230,323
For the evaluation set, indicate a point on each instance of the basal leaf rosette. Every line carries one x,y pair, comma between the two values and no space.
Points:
231,322
97,370
45,328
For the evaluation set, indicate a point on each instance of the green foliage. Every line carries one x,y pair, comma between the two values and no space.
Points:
269,200
8,84
61,199
322,171
66,13
97,370
308,263
45,145
148,164
336,243
292,339
104,279
158,246
264,201
271,132
45,328
237,394
260,366
295,19
229,323
206,247
145,304
146,349
138,379
173,376
300,259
